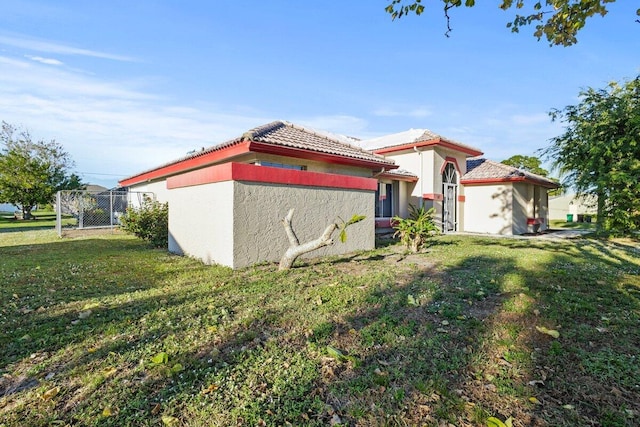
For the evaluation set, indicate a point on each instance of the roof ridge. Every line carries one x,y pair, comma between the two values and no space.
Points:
262,129
328,137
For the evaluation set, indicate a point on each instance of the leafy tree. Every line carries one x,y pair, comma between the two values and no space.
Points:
526,163
557,20
599,152
31,172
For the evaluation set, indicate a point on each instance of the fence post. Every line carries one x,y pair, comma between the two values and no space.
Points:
58,214
111,213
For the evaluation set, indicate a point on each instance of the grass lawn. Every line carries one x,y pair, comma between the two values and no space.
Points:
559,224
103,331
43,219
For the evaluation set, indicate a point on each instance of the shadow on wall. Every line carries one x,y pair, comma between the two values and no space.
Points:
505,211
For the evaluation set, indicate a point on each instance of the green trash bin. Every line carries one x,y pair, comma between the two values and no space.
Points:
569,217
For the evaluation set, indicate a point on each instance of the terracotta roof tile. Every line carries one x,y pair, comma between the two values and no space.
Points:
290,135
480,169
287,134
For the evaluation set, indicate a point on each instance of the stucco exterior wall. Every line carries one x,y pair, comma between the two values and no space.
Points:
488,209
258,234
560,206
312,166
201,222
522,207
410,161
158,187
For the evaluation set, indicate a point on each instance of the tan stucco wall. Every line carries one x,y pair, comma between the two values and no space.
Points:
258,232
312,166
560,206
201,222
522,207
488,209
159,188
238,224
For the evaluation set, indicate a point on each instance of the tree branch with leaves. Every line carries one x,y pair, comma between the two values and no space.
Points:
559,21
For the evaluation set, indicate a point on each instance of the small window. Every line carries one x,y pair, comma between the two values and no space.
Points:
283,166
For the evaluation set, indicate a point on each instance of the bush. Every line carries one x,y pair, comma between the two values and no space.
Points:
415,230
150,222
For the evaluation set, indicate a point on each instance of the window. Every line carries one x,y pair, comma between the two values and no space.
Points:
282,166
384,200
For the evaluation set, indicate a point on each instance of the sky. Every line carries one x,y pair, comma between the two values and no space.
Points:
125,86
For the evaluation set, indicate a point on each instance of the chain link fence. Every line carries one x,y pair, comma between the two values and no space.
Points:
94,210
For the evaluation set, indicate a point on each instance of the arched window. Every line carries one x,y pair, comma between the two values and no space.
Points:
450,193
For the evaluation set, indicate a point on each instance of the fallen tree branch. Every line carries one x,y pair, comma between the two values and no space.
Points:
296,249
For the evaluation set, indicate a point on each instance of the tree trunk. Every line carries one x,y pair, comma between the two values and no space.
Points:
600,211
295,248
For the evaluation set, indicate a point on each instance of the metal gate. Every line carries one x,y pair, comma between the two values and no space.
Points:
86,210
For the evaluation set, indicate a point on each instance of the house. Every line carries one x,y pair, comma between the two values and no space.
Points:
501,199
226,202
467,192
571,207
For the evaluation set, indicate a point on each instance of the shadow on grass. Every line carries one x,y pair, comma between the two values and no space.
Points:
423,339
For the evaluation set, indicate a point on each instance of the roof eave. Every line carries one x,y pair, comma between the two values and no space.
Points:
469,151
266,148
483,181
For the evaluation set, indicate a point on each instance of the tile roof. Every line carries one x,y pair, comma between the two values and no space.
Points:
484,170
289,135
399,174
420,137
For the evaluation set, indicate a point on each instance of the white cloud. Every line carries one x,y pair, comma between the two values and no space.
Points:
36,45
111,127
48,61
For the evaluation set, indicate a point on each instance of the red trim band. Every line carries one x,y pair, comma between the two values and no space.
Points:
454,162
266,174
433,196
514,179
189,164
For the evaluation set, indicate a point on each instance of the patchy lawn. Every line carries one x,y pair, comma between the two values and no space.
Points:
103,331
558,224
44,219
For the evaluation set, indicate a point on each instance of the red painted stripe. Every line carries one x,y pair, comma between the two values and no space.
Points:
432,196
502,180
462,199
189,164
265,174
450,160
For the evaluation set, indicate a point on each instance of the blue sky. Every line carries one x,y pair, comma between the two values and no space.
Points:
125,86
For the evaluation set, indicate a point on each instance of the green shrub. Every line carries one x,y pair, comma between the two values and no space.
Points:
415,230
149,222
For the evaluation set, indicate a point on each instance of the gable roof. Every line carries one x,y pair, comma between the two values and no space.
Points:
279,138
411,138
484,171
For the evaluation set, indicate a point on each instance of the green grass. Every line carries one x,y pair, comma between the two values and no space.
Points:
101,330
559,224
44,219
